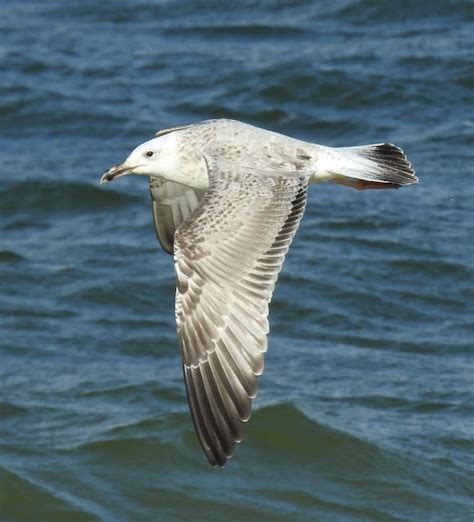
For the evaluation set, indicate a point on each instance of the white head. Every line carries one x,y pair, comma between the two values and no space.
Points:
156,157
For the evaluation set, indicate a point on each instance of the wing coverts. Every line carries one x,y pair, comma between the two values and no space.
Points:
227,260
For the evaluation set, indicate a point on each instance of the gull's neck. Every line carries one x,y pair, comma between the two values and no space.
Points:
180,164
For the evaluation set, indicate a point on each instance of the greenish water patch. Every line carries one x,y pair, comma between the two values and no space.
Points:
8,256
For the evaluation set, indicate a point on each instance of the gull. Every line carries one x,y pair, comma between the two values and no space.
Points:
227,199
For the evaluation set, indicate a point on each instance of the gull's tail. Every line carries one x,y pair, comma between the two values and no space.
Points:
369,166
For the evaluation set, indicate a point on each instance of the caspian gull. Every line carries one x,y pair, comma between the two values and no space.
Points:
227,200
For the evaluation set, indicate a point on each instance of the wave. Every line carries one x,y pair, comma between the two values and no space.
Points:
8,256
328,469
434,267
240,30
42,504
59,196
8,409
121,295
286,430
279,430
386,11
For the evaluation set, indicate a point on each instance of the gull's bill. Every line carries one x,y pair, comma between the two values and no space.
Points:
116,172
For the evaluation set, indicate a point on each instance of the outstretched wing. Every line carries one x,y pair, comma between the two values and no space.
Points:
172,203
227,260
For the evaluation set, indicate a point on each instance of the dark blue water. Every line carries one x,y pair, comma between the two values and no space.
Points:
365,410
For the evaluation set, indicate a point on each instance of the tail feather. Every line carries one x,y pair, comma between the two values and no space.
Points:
369,166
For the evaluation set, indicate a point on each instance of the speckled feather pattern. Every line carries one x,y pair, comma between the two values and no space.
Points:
227,201
227,260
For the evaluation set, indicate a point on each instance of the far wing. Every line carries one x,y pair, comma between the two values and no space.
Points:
227,260
169,130
172,204
162,132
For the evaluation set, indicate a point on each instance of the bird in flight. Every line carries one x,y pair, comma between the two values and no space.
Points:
227,201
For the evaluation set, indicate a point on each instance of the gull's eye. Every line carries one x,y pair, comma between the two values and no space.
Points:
149,154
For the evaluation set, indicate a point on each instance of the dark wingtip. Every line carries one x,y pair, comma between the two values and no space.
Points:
394,158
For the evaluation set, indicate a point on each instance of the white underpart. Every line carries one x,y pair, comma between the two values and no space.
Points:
327,166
